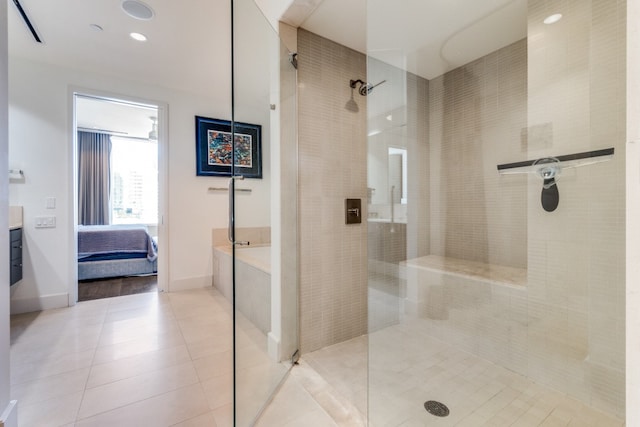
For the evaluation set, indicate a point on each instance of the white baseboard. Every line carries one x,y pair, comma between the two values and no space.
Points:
45,302
190,283
9,417
273,347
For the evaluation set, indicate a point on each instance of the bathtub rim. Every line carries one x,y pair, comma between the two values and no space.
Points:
251,261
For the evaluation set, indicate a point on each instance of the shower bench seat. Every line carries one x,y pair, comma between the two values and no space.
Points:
435,285
489,273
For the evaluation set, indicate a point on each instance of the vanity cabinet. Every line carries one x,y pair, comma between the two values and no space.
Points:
15,240
387,242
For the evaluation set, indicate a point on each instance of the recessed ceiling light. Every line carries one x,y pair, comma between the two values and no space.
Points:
95,27
139,37
137,9
552,19
389,117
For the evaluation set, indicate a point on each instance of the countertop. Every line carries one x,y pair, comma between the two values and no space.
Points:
388,220
15,217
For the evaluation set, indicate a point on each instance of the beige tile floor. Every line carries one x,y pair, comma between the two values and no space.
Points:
148,359
166,360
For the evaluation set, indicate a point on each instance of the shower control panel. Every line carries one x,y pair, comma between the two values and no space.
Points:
353,211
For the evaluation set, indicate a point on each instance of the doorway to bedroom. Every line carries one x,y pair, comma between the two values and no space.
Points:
117,191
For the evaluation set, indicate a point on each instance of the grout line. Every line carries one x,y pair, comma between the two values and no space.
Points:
91,365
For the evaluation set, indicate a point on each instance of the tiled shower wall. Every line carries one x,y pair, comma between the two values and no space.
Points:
332,167
478,119
576,261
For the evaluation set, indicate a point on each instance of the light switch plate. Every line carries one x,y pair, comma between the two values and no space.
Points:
45,222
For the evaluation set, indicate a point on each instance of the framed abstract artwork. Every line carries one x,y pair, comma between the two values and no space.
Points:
215,152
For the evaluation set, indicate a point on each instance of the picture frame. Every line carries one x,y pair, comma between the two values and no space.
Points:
213,148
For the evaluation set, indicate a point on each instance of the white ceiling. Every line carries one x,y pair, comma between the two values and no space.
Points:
425,37
183,50
188,48
119,118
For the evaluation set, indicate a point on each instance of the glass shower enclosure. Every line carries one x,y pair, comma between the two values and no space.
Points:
264,242
496,212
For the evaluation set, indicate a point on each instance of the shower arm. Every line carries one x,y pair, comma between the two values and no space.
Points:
376,85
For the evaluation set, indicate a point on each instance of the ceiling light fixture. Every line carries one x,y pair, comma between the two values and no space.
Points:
552,19
389,117
139,37
137,9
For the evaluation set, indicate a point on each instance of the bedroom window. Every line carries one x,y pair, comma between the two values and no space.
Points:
134,181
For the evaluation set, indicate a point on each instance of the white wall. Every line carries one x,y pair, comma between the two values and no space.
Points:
40,130
4,222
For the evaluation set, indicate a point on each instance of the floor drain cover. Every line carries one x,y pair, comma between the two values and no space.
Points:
436,408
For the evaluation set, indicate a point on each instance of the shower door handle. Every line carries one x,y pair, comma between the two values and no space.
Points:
231,229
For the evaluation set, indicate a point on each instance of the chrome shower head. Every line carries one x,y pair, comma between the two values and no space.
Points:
365,88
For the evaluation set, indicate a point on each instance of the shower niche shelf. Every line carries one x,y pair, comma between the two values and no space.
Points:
550,168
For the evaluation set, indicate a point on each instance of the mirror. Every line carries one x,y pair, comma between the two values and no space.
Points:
389,175
397,175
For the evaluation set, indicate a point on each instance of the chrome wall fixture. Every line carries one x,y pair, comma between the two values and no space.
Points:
550,168
365,88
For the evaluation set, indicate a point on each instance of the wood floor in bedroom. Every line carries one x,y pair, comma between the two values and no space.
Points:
119,286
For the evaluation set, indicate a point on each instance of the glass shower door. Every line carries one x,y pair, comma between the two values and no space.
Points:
497,286
264,212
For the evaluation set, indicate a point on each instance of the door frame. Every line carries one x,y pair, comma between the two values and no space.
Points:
163,172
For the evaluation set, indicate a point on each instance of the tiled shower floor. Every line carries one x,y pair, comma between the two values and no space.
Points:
477,392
